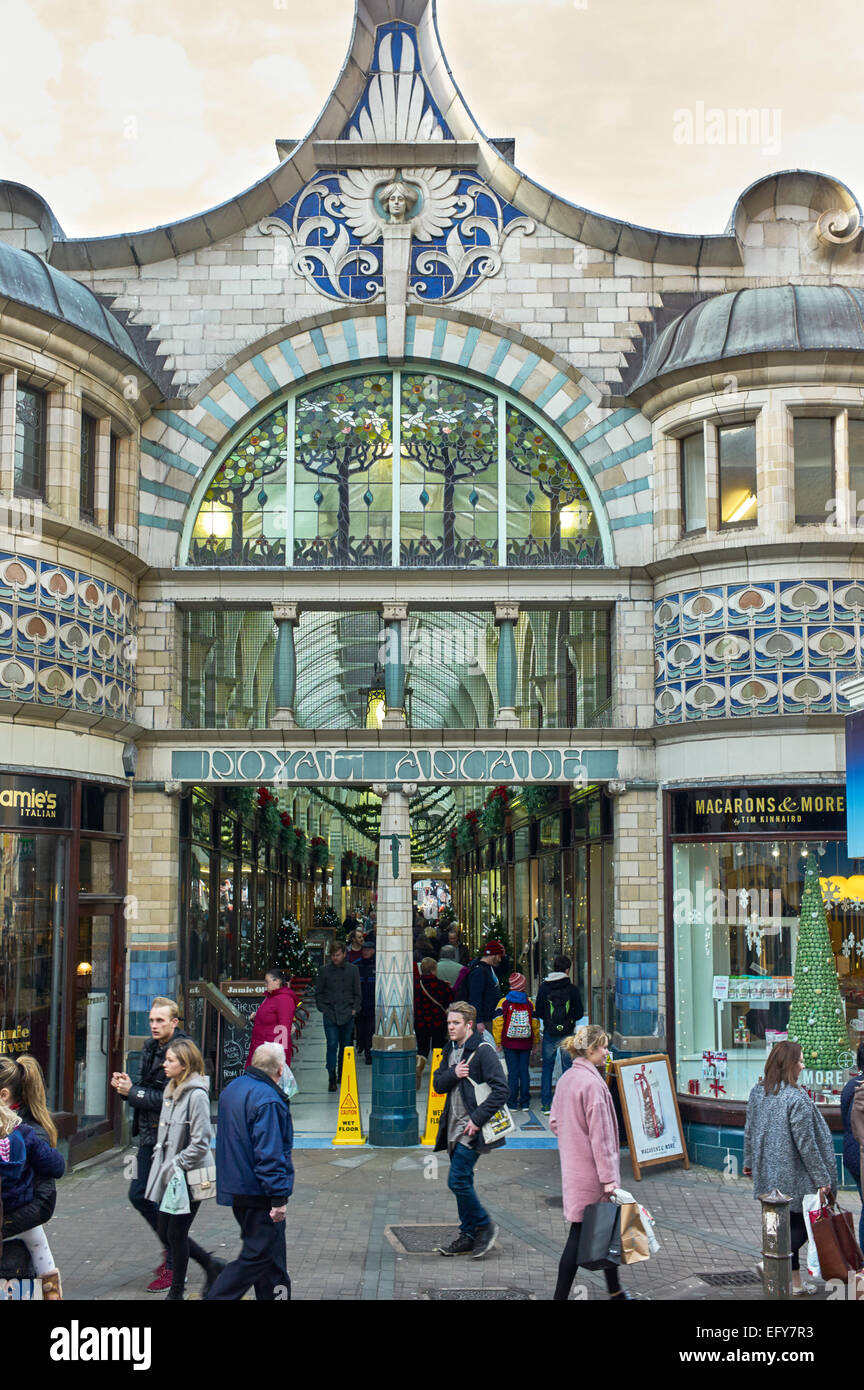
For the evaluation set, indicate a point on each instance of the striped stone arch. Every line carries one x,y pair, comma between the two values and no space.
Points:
179,441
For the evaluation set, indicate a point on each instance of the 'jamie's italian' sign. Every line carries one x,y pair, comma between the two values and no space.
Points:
33,802
820,810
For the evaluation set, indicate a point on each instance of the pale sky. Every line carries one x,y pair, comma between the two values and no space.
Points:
125,114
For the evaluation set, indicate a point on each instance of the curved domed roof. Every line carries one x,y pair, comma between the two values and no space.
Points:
27,280
788,318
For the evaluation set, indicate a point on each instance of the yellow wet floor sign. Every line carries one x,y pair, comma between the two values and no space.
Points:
349,1130
435,1104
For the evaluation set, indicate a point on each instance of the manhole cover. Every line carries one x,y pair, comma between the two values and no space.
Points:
731,1277
422,1240
475,1295
554,1201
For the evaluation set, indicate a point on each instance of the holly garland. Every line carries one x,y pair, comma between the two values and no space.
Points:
466,832
816,1018
495,810
319,852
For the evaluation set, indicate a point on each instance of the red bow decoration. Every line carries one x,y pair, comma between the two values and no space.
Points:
717,1087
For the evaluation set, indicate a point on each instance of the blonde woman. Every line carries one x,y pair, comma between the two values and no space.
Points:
22,1089
184,1140
583,1119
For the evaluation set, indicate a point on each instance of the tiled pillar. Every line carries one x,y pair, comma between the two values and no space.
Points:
393,1121
151,909
395,614
506,618
286,617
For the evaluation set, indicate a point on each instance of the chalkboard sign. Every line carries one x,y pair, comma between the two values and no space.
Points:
234,1039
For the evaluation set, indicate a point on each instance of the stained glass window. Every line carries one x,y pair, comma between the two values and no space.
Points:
242,517
550,520
449,496
476,484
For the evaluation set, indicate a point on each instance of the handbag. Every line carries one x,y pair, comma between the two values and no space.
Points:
600,1237
499,1125
175,1198
835,1240
202,1182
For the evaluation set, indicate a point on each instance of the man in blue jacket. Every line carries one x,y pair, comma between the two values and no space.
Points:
255,1177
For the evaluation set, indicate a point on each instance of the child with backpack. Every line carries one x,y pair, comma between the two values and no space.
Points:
516,1030
24,1155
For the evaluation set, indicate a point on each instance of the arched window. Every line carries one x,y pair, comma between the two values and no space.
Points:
406,468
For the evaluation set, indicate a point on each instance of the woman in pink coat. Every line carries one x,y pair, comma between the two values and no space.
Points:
583,1118
275,1014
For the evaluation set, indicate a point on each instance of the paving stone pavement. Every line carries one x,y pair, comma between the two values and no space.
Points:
345,1201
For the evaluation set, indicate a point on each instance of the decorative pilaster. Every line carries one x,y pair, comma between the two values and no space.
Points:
336,847
395,614
286,617
506,618
393,1121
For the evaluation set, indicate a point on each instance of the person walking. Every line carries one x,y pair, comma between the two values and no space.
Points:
583,1120
559,1009
145,1098
339,999
366,1016
516,1030
787,1144
255,1178
852,1152
274,1017
183,1142
468,1059
24,1156
432,998
484,988
449,968
22,1089
354,945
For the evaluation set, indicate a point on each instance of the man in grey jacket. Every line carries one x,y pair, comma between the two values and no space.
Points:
468,1058
339,998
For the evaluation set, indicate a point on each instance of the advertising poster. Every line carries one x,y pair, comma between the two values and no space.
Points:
650,1110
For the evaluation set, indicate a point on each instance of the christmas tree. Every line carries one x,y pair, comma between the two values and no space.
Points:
291,953
816,1018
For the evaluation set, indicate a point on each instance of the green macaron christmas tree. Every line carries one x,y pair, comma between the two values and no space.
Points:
816,1018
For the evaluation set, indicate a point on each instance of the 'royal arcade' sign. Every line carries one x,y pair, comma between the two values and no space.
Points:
314,766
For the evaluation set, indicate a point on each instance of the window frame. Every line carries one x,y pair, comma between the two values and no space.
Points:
745,523
87,462
20,489
681,442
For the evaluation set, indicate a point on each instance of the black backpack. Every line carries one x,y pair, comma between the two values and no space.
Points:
460,988
562,1016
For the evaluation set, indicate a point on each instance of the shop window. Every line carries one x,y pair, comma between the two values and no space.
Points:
97,867
736,453
736,908
30,418
100,808
87,479
692,464
814,470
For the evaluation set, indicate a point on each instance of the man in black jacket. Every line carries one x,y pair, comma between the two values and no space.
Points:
145,1097
559,1009
338,996
468,1058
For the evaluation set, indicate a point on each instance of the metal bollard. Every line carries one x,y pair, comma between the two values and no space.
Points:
776,1245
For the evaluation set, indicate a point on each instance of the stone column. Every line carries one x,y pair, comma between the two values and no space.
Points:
395,614
506,618
393,1122
286,617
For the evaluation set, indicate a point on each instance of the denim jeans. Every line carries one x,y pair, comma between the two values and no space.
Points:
550,1047
517,1060
338,1037
472,1215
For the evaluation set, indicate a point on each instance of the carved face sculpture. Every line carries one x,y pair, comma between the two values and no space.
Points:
399,200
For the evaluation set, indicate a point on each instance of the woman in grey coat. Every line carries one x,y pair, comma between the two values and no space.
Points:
787,1144
184,1138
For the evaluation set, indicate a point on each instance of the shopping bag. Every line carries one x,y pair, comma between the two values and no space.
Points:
499,1125
634,1241
835,1240
600,1237
288,1082
810,1207
175,1199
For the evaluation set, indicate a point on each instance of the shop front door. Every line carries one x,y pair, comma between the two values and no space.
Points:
95,1018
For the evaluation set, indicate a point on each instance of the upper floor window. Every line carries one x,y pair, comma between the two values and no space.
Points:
30,410
736,460
814,470
113,466
87,483
856,467
692,460
396,468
